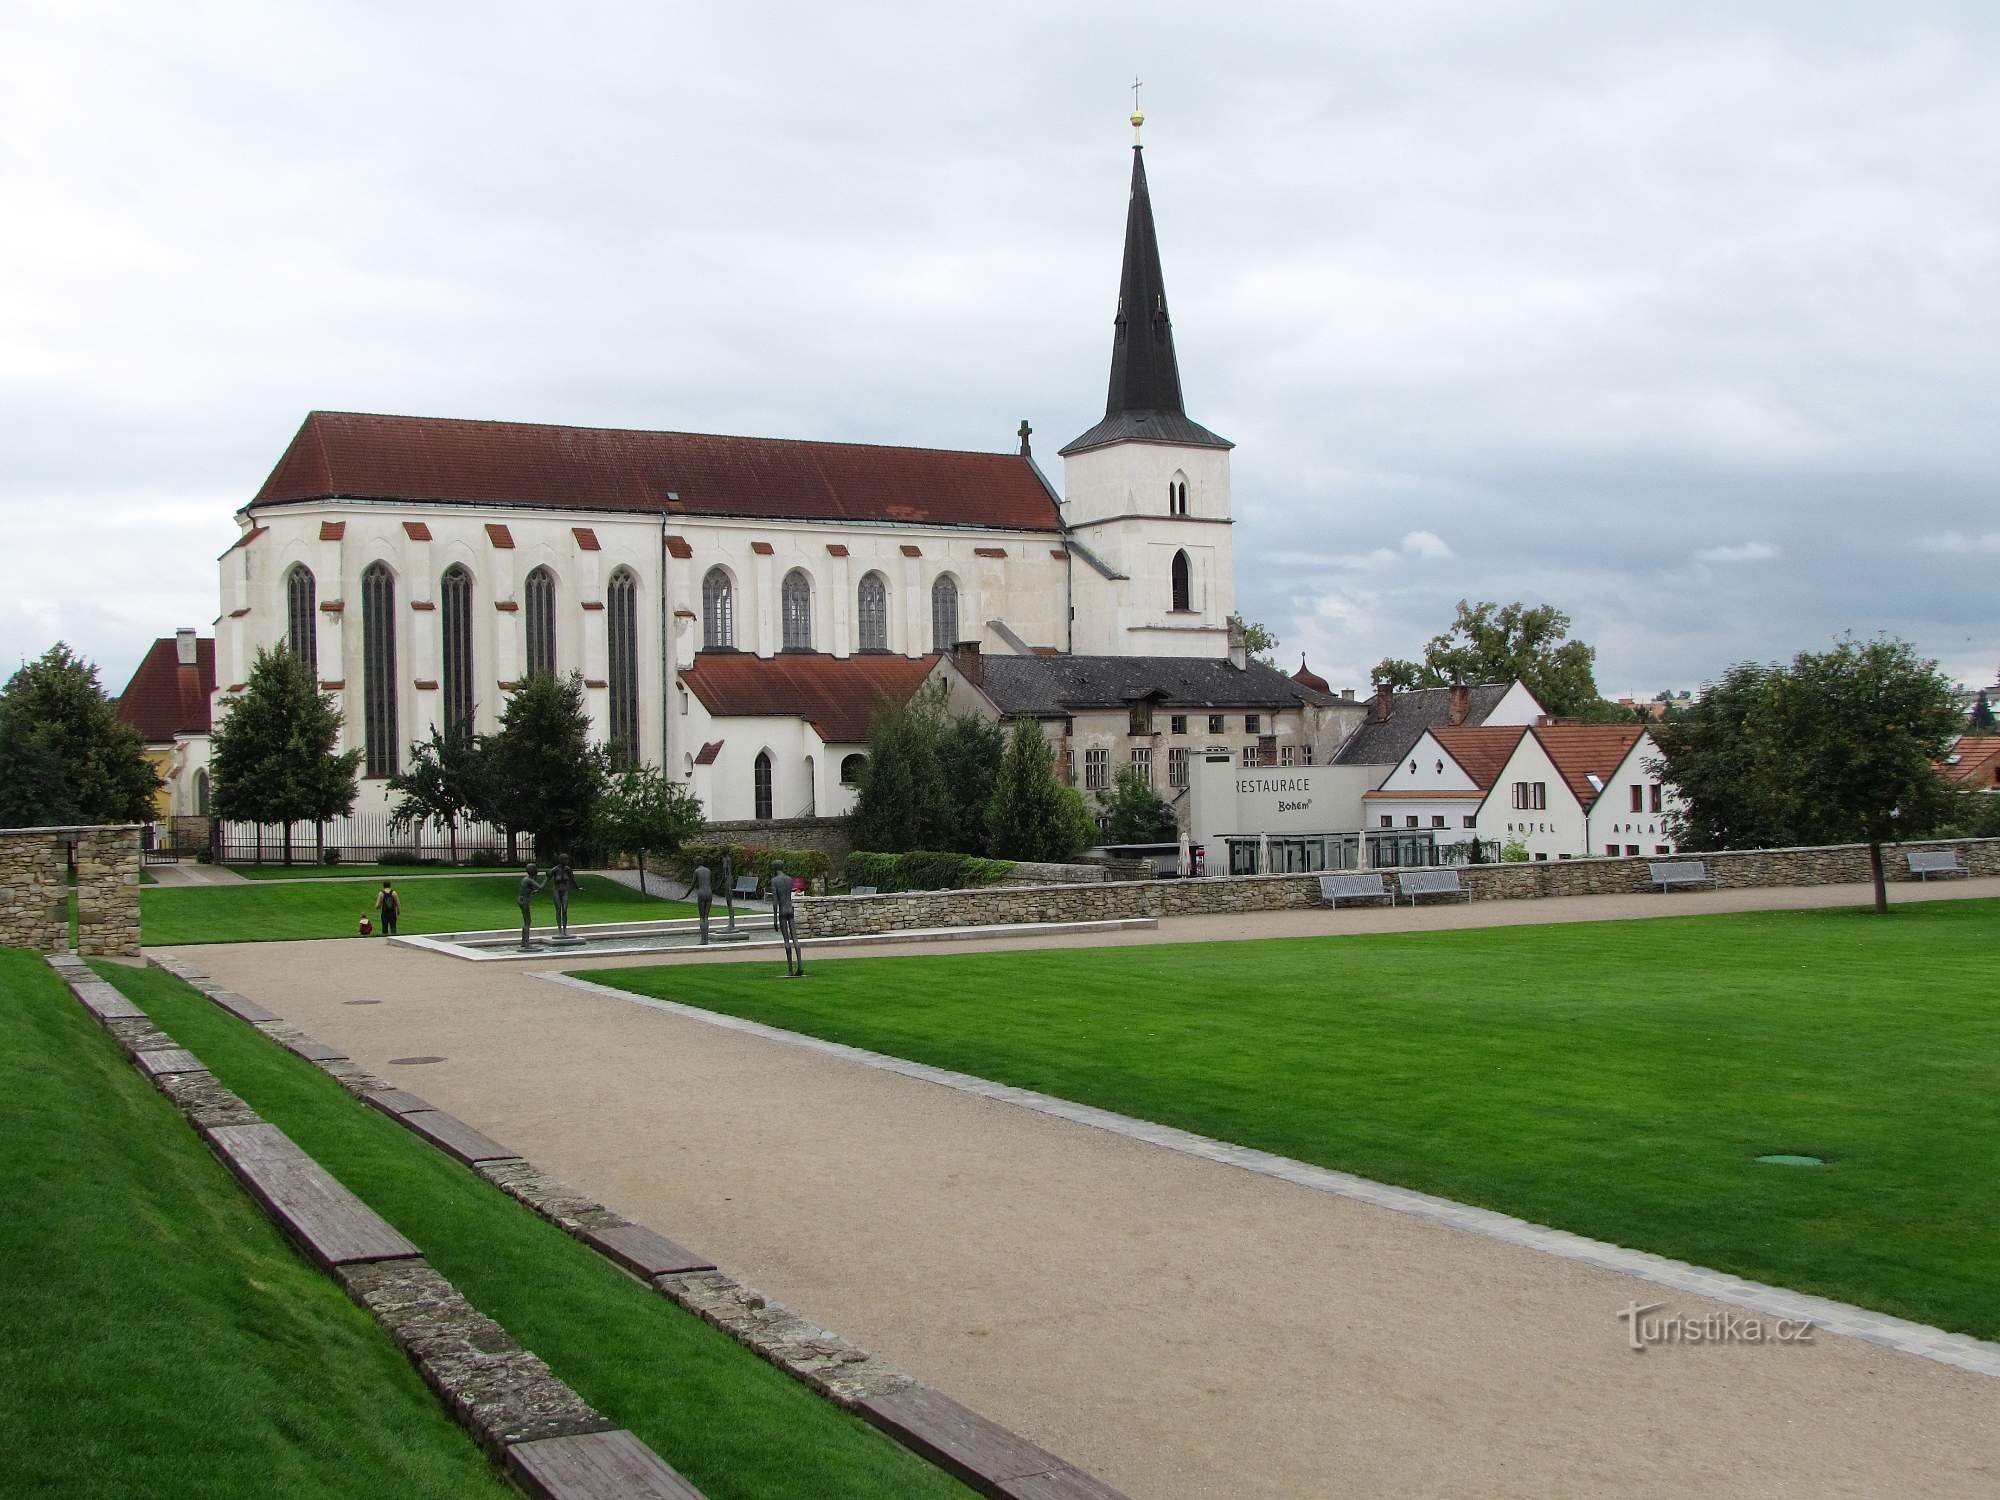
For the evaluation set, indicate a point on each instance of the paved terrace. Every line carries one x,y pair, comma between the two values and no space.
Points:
1181,1327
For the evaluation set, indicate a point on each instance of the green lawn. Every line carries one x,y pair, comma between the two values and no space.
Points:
157,1336
318,909
735,1426
1611,1078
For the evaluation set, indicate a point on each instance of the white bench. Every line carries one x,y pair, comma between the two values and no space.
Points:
1333,889
1666,872
746,885
1415,883
1925,863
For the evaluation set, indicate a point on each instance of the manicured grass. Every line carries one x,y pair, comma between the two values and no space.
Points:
318,909
1615,1079
310,871
157,1336
736,1427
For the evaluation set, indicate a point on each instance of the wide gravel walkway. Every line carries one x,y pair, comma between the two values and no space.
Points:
1180,1327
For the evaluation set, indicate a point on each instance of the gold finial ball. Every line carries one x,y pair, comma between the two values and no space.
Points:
1137,119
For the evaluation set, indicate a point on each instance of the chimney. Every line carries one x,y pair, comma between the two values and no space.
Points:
1385,703
1458,705
965,656
184,646
1347,695
1239,645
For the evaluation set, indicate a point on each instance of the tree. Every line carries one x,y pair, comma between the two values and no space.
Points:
1490,642
273,757
970,749
62,726
540,771
641,812
1136,813
1841,747
1035,817
443,784
33,790
1260,644
906,800
1982,720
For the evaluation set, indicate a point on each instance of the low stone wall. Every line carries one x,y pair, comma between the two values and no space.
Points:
828,835
34,891
107,893
844,916
1026,872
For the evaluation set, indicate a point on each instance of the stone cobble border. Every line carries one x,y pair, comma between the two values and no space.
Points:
1956,1349
546,1437
980,1453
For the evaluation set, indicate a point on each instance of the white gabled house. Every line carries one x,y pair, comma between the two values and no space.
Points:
1631,815
1442,782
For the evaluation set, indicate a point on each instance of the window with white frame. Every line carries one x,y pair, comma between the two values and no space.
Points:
718,611
795,598
872,612
944,613
1177,767
1096,769
1142,762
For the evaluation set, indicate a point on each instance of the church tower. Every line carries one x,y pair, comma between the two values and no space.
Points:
1147,489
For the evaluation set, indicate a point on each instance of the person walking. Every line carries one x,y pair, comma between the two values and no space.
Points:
391,907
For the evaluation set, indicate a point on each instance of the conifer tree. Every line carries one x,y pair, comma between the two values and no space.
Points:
65,753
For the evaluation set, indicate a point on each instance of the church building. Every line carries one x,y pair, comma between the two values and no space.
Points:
735,606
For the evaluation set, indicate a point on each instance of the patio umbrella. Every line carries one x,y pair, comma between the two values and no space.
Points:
1187,855
1263,854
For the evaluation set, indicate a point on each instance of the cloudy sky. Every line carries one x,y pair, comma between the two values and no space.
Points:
1682,316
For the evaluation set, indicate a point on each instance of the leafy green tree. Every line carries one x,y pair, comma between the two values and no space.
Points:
1841,747
1490,642
642,812
539,771
62,722
443,784
1034,816
273,758
970,749
1982,720
906,800
1135,812
1260,643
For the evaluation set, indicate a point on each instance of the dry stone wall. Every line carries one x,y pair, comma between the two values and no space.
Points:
34,894
34,889
107,893
1027,872
845,916
828,835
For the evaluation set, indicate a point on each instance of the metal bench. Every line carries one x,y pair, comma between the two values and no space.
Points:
862,890
1669,872
1415,883
1925,863
746,885
1333,889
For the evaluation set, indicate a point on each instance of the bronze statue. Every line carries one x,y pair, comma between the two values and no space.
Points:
783,918
562,880
704,898
529,885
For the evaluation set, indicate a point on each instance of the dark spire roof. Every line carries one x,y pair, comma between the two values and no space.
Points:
1144,401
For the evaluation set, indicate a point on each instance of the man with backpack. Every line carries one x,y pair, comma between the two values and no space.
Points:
391,907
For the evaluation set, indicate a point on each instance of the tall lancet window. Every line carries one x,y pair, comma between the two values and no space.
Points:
944,613
302,618
796,597
455,609
1177,496
873,613
378,669
1183,582
621,630
541,610
718,611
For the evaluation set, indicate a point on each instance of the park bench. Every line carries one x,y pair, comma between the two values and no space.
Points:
1333,889
746,886
1669,872
862,890
1415,883
1925,863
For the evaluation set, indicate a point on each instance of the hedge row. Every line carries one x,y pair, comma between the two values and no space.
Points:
925,870
748,859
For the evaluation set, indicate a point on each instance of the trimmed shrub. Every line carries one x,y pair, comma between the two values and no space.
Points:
925,870
487,859
810,864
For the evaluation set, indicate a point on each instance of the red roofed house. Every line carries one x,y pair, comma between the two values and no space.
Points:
731,603
167,701
1974,762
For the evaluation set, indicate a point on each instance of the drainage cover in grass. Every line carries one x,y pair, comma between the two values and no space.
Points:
1783,1159
425,1059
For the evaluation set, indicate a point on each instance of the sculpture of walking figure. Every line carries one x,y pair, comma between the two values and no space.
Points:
786,922
562,880
704,898
729,888
529,885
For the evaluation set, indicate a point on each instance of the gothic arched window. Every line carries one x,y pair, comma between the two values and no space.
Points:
1183,582
873,612
302,618
540,594
718,611
761,778
455,604
621,630
378,669
201,793
1177,504
795,597
944,613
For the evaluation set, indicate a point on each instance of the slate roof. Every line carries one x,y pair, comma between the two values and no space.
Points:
165,698
1578,750
1410,714
836,694
1048,686
355,455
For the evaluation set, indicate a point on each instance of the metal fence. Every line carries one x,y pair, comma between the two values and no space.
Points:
359,838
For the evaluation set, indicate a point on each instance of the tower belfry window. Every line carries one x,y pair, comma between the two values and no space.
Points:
1183,583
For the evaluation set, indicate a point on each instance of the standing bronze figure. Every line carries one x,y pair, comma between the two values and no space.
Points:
529,885
784,919
704,898
562,880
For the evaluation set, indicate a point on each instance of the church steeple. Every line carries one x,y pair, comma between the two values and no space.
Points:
1143,402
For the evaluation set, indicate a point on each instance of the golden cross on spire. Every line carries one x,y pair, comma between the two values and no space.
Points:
1138,119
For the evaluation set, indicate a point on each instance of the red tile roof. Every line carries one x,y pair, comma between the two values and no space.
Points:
677,546
360,456
837,694
586,539
165,698
499,536
332,531
709,752
1480,750
1974,759
416,531
1579,750
1307,677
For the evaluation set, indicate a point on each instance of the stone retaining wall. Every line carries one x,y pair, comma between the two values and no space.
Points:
34,889
1026,872
828,835
34,894
107,893
845,916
